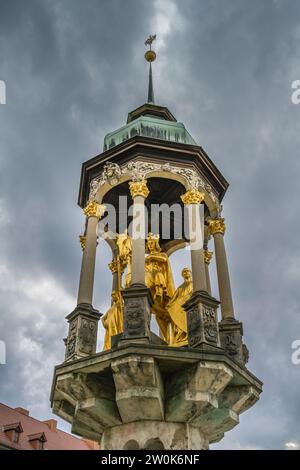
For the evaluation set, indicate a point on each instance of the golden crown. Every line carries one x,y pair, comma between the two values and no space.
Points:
151,236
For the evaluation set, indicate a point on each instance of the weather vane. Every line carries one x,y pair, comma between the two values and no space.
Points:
150,55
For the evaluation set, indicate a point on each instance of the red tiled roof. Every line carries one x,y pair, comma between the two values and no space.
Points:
56,439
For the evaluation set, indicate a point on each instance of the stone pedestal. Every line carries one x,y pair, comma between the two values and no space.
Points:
137,313
202,321
153,435
82,336
231,337
145,396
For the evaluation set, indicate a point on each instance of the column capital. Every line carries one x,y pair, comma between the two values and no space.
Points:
217,226
82,239
207,256
139,188
93,209
193,196
115,264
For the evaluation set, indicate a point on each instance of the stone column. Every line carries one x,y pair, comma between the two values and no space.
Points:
137,297
217,229
139,192
93,212
207,259
192,199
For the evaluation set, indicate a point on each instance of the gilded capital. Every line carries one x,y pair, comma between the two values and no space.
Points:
207,256
93,209
138,188
192,196
82,239
113,266
116,265
217,226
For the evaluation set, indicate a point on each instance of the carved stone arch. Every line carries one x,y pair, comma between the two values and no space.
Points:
188,177
174,246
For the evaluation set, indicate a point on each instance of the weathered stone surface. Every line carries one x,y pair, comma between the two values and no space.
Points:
238,398
202,322
231,337
91,401
137,313
194,391
139,389
121,395
82,336
153,435
214,422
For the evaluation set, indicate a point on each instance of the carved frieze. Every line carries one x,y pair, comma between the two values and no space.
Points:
139,170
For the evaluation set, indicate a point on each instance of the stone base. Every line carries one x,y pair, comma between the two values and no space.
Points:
153,435
82,336
231,337
152,396
202,321
137,312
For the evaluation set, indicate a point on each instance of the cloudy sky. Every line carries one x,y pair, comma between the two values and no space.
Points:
73,69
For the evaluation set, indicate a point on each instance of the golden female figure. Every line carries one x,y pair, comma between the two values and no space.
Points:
177,313
113,319
124,243
159,279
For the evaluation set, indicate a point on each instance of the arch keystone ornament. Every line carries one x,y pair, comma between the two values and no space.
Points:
186,386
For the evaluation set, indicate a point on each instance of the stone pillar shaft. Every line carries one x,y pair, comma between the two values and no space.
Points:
192,199
139,192
94,212
208,285
217,227
207,258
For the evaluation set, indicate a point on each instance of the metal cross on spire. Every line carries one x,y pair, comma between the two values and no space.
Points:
150,56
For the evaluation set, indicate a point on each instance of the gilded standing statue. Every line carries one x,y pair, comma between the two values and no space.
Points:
159,279
113,319
124,243
177,313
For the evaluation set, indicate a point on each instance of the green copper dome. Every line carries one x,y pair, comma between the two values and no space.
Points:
152,126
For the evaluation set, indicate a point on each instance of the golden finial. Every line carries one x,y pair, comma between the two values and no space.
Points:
150,55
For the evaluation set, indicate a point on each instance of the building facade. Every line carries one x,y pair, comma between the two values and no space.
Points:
20,431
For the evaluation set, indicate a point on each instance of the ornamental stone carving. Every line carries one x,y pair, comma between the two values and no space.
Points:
113,266
82,240
138,188
210,324
207,256
134,321
93,209
112,173
139,170
193,197
217,226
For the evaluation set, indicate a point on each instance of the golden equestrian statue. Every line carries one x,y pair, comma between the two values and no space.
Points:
113,319
177,313
159,279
